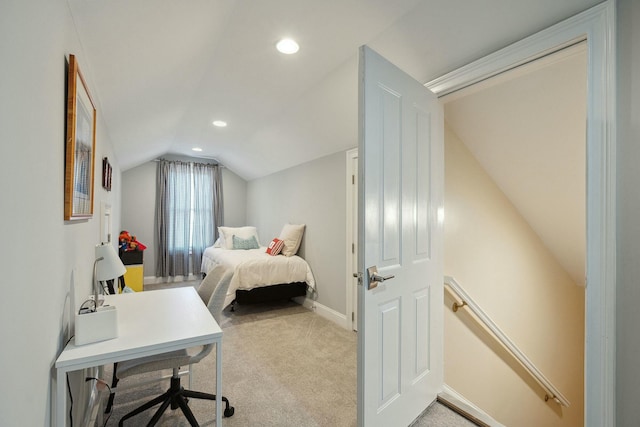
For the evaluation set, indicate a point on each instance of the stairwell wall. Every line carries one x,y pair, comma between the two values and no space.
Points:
496,256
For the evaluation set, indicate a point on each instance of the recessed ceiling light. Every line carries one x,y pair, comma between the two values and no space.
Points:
197,149
219,123
287,46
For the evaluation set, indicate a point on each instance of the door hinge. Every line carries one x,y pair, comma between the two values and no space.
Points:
353,316
353,248
353,180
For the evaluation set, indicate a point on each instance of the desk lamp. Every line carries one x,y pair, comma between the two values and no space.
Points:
101,323
107,266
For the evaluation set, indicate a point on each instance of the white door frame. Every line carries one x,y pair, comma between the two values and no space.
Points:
597,27
352,228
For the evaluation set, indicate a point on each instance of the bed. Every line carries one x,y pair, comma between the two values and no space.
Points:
257,273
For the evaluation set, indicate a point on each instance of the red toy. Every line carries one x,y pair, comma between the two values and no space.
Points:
128,242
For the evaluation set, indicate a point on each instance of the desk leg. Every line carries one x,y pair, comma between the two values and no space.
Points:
61,398
219,409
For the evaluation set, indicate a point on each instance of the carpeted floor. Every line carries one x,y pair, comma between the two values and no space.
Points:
438,415
283,365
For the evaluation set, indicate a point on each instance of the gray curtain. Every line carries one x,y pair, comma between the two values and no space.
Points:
188,211
218,211
207,202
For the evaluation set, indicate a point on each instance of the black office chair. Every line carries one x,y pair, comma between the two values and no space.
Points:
176,396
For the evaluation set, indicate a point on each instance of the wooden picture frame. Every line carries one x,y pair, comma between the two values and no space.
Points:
80,147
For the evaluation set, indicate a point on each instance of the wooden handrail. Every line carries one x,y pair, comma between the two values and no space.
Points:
551,390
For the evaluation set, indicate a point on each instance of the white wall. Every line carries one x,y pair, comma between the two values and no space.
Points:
499,260
313,194
628,251
40,249
234,195
138,209
139,204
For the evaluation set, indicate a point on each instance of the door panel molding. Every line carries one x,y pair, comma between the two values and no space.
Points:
389,353
422,325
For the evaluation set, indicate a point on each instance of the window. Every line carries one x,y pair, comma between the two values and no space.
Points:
188,212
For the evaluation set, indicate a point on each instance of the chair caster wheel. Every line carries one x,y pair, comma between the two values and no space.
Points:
229,412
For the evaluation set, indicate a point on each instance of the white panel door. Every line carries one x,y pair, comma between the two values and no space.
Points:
400,343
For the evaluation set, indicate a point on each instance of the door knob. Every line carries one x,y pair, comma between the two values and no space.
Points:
375,278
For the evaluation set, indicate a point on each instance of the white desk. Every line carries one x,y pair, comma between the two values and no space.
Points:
149,323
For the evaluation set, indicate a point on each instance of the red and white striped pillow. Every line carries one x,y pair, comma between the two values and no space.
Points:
275,246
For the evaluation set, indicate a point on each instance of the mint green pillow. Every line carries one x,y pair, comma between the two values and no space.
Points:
240,243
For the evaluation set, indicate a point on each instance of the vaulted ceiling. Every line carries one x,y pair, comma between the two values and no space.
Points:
161,70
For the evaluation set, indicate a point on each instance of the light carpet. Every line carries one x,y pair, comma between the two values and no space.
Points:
438,415
283,365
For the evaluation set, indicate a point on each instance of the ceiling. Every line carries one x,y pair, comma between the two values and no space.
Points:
161,71
527,128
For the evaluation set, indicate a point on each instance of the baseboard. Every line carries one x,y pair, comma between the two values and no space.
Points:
324,311
152,280
456,402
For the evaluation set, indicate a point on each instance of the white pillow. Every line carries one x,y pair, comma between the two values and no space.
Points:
291,234
227,233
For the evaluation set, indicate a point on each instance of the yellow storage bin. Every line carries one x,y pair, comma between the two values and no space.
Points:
134,277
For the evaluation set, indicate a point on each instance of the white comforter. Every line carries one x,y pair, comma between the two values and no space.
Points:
255,268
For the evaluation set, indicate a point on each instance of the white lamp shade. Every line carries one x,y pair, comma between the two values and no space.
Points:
110,267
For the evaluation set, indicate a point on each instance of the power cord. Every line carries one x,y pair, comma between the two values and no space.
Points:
100,385
84,309
69,389
70,402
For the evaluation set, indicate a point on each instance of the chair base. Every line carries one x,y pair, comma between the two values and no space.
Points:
176,396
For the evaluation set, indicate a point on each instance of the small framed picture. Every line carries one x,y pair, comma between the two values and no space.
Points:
106,174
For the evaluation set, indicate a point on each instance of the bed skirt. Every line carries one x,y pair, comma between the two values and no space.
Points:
271,293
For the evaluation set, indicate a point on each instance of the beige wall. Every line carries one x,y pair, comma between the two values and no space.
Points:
492,252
